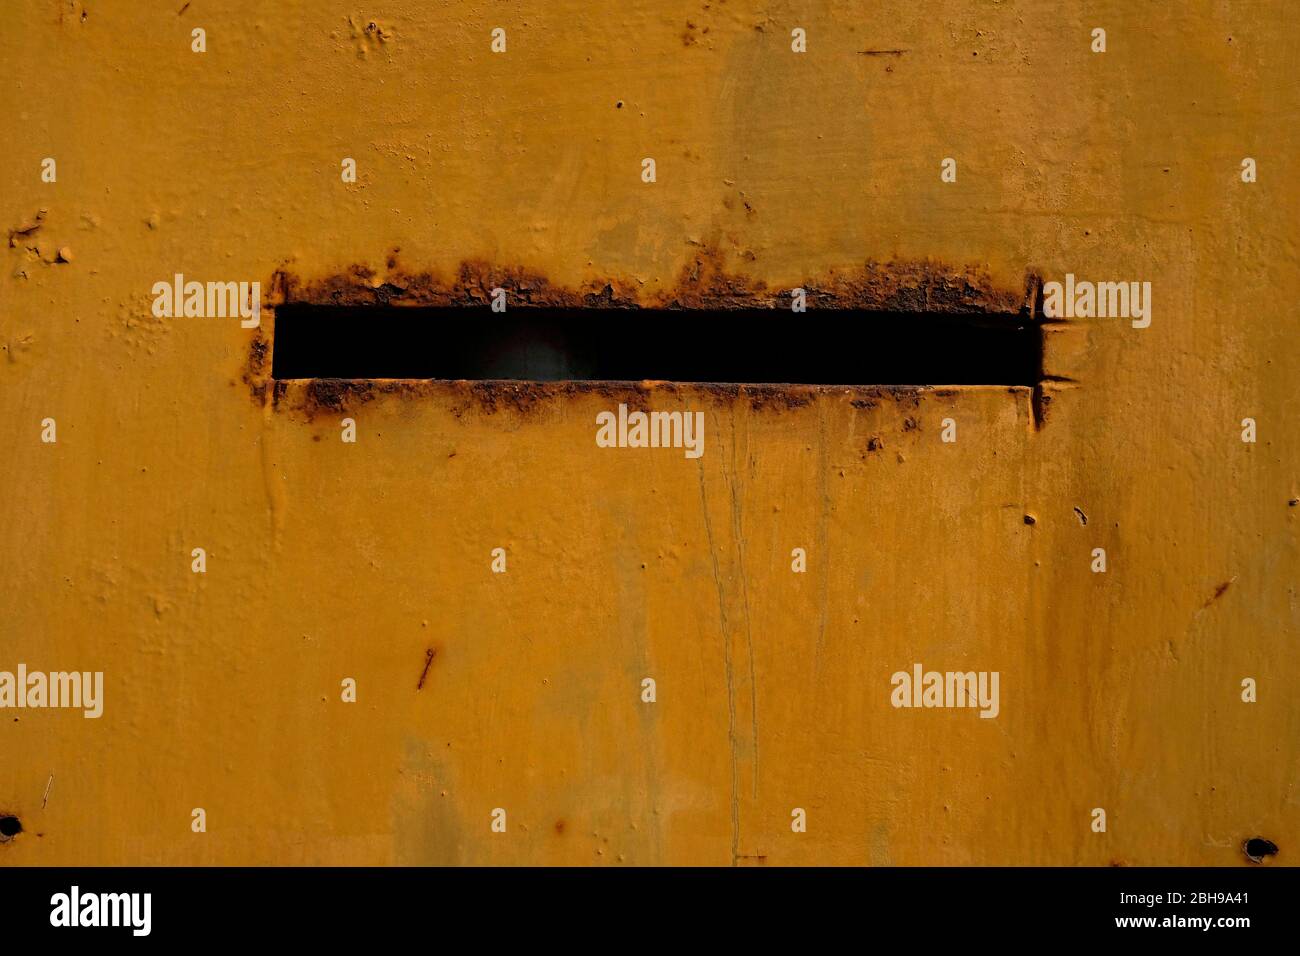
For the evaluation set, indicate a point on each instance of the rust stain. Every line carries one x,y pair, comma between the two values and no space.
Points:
703,283
311,398
1040,404
1218,593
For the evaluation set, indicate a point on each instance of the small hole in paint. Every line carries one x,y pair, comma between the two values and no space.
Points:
1257,848
10,826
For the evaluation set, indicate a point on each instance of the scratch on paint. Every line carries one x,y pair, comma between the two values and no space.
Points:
274,492
731,696
428,659
823,533
1219,592
744,585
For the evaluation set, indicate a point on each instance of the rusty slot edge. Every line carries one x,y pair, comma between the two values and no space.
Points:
704,283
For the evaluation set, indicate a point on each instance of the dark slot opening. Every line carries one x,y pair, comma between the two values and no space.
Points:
754,346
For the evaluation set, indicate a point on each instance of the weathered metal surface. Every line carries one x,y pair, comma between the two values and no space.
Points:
521,690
